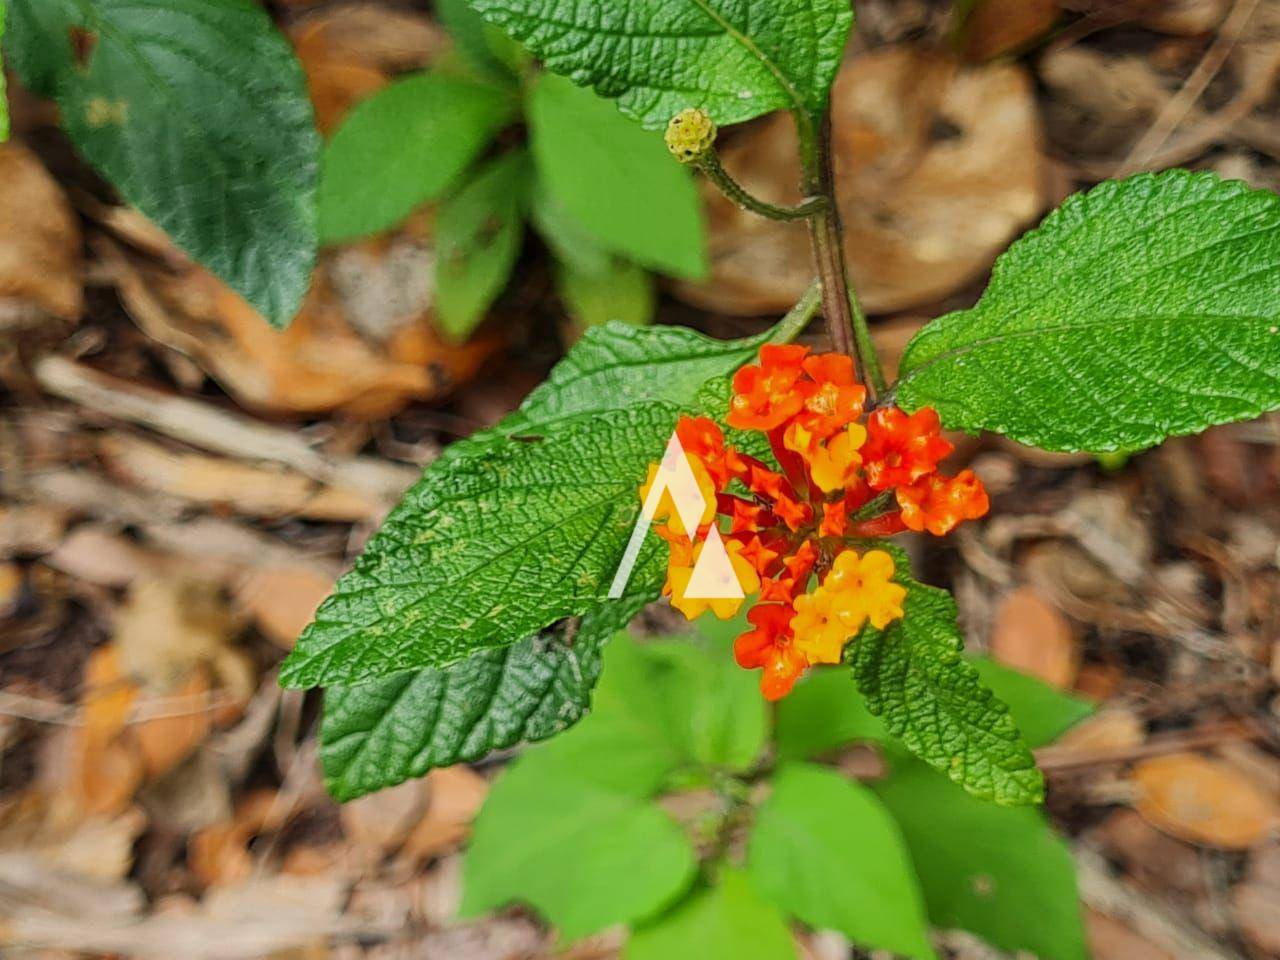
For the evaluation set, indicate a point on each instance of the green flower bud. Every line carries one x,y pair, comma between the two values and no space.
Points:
690,135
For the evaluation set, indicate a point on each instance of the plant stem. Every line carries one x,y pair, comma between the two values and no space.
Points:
731,188
846,322
798,316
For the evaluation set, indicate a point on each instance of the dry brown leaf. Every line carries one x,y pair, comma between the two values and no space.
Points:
1204,801
219,854
998,27
105,771
938,167
97,555
1186,18
166,740
318,364
455,795
56,830
40,245
1110,939
1109,731
379,822
282,600
1030,635
261,491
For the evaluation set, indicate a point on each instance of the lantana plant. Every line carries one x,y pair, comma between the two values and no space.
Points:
476,618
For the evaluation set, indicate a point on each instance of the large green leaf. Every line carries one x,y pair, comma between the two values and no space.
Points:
727,921
379,734
825,850
587,855
931,698
489,53
615,179
1145,308
736,59
198,114
523,526
490,548
478,234
1000,872
405,145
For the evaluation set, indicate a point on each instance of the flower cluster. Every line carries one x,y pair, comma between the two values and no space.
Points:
838,482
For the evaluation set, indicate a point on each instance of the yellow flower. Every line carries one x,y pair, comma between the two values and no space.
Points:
834,465
819,633
666,505
863,589
678,576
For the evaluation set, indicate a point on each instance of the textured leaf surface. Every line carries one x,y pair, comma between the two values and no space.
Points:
1000,872
585,854
825,850
380,734
478,234
1041,713
523,526
197,112
931,698
1145,308
615,178
728,920
491,548
405,145
736,59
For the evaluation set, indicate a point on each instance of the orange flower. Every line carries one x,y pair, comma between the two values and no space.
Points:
767,395
835,519
901,449
701,437
769,648
938,504
837,397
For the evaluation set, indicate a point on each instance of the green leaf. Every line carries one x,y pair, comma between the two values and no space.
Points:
523,526
586,855
736,59
823,712
717,716
4,100
621,291
619,366
932,699
1042,713
380,734
827,852
478,234
728,920
1143,309
198,114
405,145
616,179
488,52
1000,872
